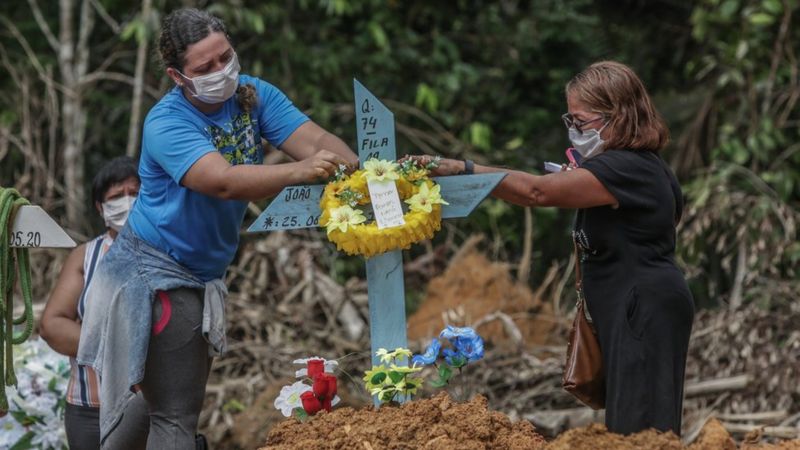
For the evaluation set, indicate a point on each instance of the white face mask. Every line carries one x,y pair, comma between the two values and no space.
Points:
588,143
218,86
115,212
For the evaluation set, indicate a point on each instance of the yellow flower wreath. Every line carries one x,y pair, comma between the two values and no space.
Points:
346,224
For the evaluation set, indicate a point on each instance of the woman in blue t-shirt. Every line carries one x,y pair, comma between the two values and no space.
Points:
629,203
158,311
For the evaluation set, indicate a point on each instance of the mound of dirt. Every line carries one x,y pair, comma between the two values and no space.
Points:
596,437
436,423
251,427
439,423
713,437
474,290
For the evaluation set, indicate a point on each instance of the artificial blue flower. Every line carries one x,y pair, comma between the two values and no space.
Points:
453,358
430,355
469,348
450,332
467,345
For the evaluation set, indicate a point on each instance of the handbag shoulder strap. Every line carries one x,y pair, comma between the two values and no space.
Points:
578,275
581,303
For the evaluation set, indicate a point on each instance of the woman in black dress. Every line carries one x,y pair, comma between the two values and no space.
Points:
628,203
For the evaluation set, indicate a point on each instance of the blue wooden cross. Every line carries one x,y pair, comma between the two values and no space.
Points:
298,207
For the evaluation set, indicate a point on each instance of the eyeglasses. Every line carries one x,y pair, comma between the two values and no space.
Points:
571,121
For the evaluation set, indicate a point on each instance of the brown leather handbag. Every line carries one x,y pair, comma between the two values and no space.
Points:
583,370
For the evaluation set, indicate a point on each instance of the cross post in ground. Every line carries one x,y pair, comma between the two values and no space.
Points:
298,207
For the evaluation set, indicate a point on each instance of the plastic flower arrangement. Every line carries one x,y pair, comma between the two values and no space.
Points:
425,198
381,170
301,399
390,380
344,217
349,229
35,418
466,346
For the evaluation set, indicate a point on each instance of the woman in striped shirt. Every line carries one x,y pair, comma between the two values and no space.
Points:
114,189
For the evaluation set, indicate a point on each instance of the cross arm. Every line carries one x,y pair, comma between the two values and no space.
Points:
465,192
33,227
294,208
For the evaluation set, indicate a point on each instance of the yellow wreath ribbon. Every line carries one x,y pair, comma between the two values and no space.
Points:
348,228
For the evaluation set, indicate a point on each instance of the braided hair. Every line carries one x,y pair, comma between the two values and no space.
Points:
186,26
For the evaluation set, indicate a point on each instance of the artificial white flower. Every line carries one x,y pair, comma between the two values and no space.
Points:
289,398
384,356
381,170
425,199
42,379
330,366
344,217
10,431
49,434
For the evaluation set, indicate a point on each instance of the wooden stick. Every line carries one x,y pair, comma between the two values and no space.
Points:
706,413
509,326
778,432
718,385
764,416
524,269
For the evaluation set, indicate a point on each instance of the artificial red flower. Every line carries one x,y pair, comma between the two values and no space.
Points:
322,392
324,388
311,403
320,386
315,367
332,385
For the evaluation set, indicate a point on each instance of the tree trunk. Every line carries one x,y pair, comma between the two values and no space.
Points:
134,128
73,61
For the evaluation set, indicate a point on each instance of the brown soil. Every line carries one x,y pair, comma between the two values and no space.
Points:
596,437
251,426
439,423
436,423
713,436
472,288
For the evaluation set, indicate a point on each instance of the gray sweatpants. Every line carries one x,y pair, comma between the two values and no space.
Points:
82,424
176,372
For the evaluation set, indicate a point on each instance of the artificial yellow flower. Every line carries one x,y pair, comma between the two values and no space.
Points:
424,200
370,379
416,174
376,390
344,217
388,357
385,356
404,369
381,170
409,386
400,352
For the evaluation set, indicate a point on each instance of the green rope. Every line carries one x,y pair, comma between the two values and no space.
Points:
10,201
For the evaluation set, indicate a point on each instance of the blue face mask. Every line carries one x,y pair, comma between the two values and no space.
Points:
588,143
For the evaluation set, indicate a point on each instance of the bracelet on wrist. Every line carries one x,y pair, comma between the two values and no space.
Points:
469,167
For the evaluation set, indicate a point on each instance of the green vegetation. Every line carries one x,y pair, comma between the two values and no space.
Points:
465,78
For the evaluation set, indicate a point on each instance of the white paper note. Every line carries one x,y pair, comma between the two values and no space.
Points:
386,204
